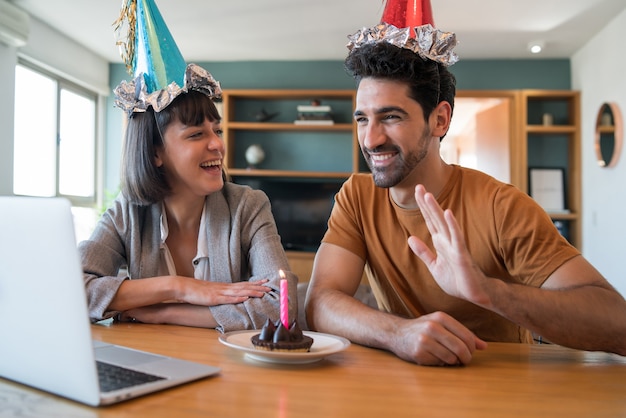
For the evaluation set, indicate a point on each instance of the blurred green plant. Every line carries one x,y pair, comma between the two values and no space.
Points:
107,200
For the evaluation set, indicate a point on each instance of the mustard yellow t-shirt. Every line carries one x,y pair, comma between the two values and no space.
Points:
508,235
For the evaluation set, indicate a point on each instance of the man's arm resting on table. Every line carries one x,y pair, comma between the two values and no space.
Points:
435,339
575,307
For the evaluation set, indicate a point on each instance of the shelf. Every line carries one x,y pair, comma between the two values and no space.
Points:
563,216
287,173
304,94
551,129
269,126
606,129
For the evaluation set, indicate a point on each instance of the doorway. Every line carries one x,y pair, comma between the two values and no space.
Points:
481,134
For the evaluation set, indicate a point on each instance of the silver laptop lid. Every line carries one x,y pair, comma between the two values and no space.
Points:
37,254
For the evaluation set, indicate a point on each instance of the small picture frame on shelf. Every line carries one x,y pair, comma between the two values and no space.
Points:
547,187
219,105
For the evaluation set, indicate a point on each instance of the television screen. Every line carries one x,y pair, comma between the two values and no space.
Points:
300,207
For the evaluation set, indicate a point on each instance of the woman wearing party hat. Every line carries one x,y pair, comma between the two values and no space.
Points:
206,251
491,267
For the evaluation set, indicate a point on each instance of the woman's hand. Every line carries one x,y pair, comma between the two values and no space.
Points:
201,292
191,307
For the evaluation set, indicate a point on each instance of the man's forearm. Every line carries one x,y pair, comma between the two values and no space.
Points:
568,317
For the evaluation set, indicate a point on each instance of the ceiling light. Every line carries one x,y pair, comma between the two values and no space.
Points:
536,47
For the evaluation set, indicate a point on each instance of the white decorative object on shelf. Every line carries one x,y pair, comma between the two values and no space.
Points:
548,119
254,155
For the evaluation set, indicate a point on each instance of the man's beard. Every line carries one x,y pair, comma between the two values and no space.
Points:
392,175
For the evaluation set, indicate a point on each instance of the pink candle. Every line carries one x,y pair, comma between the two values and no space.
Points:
284,300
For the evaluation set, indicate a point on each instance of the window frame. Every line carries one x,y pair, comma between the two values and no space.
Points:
63,83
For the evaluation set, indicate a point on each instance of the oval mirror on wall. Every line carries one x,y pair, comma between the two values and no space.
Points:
609,135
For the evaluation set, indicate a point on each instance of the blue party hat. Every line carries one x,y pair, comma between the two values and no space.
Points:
157,56
153,58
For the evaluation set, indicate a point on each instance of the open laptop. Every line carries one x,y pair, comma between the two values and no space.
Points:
44,324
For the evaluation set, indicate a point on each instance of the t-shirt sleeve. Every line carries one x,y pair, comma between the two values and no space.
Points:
531,245
344,225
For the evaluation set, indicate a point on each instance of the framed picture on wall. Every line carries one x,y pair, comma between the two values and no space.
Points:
547,187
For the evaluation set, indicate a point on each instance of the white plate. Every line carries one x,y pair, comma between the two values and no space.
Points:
323,345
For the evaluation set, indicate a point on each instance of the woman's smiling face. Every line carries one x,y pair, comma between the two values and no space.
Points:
192,157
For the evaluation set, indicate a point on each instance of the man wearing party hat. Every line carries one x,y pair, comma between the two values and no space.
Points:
490,267
206,250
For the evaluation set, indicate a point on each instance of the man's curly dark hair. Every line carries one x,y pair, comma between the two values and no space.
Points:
429,82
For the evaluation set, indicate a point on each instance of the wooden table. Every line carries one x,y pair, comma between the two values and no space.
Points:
506,380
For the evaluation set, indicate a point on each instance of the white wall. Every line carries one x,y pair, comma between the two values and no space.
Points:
8,58
64,57
599,72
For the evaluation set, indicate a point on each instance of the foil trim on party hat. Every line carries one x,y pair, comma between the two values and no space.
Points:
426,41
133,96
409,24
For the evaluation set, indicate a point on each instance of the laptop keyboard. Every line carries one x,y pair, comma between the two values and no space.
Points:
115,377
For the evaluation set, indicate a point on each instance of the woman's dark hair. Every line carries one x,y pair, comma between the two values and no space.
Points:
429,82
142,182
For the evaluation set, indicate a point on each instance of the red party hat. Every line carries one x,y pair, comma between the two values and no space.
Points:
408,13
409,24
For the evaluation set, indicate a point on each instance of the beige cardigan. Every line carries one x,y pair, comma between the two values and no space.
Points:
243,245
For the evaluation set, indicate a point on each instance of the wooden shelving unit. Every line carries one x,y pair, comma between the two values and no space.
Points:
311,153
280,134
553,146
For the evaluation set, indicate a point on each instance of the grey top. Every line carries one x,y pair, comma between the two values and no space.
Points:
242,241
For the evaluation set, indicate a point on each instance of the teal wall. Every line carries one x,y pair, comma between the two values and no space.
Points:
512,74
470,75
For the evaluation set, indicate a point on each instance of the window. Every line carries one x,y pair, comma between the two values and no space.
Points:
55,137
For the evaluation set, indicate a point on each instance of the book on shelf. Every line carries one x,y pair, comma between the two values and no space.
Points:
314,115
314,122
313,108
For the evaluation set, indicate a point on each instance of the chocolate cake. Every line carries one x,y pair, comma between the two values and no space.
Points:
275,337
